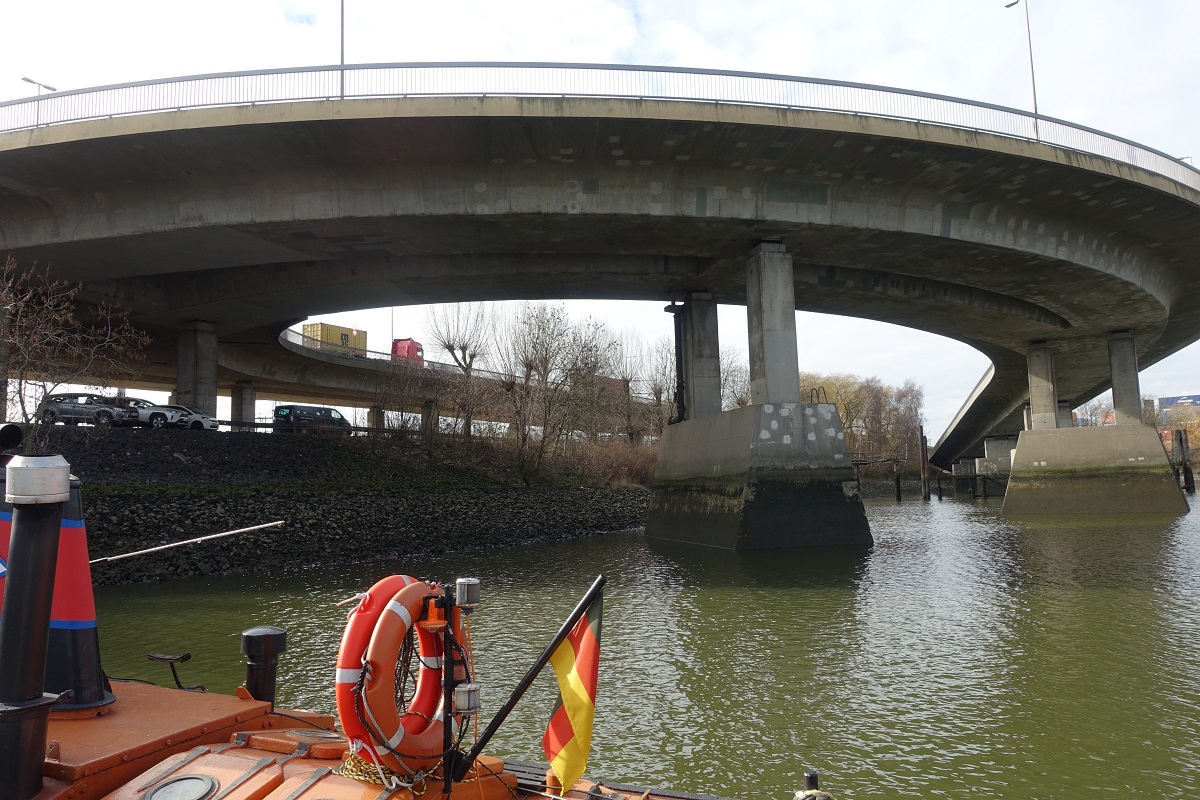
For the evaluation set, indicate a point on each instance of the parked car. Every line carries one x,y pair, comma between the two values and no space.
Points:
149,414
195,420
301,419
74,407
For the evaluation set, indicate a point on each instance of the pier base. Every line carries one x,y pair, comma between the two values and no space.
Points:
771,475
1118,469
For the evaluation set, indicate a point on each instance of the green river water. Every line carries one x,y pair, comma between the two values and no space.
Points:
964,656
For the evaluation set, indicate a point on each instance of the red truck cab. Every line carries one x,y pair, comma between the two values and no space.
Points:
408,351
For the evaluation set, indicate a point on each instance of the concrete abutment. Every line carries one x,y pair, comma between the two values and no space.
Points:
773,474
1115,469
763,476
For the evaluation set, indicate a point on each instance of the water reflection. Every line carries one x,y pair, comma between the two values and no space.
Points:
964,656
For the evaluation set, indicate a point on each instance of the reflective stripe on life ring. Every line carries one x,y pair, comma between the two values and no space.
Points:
352,655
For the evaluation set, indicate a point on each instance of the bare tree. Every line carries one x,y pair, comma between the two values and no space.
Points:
50,340
401,388
596,395
660,379
735,379
631,365
1092,413
464,331
544,357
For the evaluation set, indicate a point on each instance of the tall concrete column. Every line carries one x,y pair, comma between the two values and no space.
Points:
771,320
375,419
196,380
1065,420
1126,389
242,400
701,356
1043,396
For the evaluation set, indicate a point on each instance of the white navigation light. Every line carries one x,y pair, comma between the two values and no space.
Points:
466,698
466,593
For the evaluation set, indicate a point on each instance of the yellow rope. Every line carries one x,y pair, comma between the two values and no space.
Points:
360,769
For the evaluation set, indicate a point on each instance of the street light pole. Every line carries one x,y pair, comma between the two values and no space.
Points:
343,41
1032,74
37,108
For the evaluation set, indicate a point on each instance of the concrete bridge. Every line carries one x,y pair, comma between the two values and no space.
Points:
223,208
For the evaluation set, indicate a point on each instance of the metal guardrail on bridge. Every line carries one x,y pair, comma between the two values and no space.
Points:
353,354
578,80
356,354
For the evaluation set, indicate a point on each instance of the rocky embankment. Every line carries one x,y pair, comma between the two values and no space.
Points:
344,499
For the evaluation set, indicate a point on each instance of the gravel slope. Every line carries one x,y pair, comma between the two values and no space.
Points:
144,487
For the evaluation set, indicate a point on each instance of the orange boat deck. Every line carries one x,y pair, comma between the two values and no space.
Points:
210,745
88,757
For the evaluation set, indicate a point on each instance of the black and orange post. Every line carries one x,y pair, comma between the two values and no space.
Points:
73,657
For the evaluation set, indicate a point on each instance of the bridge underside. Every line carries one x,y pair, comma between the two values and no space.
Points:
250,218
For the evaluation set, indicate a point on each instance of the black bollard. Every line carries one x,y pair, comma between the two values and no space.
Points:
38,487
261,646
811,779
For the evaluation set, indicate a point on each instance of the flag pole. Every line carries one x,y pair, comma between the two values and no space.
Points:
469,759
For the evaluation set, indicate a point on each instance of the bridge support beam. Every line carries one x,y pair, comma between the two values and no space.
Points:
771,324
1043,394
1114,469
701,356
1126,388
375,420
1065,412
773,474
196,380
242,401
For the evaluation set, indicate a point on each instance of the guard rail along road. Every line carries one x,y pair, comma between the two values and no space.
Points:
577,80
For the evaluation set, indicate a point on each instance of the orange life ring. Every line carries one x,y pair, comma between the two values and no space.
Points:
352,654
373,637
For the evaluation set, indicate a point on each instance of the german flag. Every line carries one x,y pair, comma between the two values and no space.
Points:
576,665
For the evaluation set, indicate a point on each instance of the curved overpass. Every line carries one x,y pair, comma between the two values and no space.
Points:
273,197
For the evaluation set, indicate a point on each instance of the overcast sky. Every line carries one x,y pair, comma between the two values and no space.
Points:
1126,67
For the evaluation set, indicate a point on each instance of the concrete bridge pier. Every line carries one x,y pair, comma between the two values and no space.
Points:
196,378
1120,468
701,356
776,473
242,399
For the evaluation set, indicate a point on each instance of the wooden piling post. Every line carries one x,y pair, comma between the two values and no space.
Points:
924,465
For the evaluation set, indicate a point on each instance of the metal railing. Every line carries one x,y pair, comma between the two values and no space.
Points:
578,80
359,354
354,354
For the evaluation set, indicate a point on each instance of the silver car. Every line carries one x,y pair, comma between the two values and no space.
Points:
74,407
